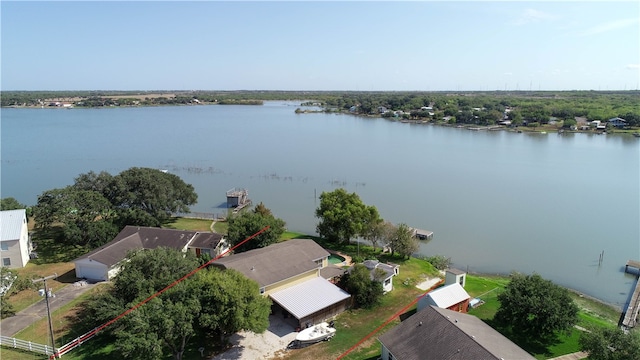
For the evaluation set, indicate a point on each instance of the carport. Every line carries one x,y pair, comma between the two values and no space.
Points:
312,301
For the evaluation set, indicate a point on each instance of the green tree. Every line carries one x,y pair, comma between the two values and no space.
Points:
403,241
231,302
249,223
94,182
536,307
11,204
366,292
86,215
377,232
610,344
343,215
7,279
568,123
152,191
262,210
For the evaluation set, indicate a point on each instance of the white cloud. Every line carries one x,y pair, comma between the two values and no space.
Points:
632,66
610,26
532,16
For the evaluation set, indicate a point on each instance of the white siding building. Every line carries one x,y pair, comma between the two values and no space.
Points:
15,245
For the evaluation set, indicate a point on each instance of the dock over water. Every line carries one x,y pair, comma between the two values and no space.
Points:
631,312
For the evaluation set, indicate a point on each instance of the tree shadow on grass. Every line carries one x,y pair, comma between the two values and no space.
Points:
51,249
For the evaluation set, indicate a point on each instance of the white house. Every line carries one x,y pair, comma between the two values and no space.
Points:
388,271
15,245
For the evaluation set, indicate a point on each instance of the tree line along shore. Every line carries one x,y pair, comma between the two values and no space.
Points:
541,110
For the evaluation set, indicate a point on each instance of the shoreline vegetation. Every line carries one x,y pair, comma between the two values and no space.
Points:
562,112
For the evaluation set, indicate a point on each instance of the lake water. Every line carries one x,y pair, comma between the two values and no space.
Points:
497,201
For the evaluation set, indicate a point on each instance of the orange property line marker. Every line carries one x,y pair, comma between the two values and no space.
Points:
401,311
84,337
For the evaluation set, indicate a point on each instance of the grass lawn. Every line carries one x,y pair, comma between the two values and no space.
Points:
189,224
221,227
592,313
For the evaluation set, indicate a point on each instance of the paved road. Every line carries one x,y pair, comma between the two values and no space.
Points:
22,319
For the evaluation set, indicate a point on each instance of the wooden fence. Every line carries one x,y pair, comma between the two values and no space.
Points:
25,345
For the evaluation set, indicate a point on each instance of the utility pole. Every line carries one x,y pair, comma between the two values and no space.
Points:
46,298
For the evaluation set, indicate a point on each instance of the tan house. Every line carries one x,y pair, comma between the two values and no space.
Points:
15,244
290,273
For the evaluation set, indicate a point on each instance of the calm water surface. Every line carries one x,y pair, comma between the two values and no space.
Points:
497,201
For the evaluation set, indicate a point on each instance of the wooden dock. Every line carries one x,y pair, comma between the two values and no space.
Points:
630,319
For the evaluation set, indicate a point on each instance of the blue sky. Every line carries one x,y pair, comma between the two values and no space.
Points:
358,45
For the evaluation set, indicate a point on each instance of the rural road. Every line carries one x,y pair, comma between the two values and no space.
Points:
12,325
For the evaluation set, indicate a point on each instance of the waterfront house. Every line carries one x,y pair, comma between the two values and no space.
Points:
103,263
599,125
15,243
382,272
618,122
436,333
452,297
290,274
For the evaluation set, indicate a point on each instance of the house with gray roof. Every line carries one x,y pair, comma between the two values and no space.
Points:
15,244
383,272
290,274
436,333
103,263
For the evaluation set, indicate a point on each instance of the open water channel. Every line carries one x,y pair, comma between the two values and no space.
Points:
497,201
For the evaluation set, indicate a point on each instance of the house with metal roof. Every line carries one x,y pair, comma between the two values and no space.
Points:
103,263
452,297
290,273
436,333
617,122
15,244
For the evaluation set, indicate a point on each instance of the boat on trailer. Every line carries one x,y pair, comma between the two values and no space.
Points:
314,334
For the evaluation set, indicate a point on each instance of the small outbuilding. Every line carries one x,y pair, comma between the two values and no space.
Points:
453,276
452,297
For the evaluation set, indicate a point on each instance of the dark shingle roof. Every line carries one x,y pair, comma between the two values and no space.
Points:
134,237
206,240
435,333
331,271
276,262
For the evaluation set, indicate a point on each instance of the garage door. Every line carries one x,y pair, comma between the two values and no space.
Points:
91,272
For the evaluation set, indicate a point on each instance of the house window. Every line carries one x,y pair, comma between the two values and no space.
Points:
4,246
261,291
6,261
387,282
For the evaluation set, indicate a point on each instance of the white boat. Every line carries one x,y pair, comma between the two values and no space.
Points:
316,333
